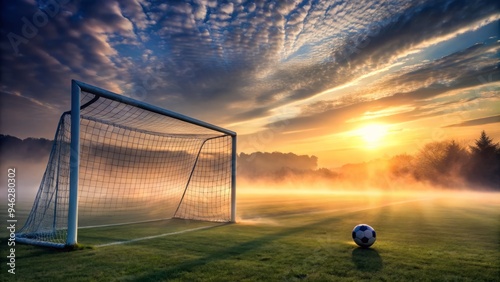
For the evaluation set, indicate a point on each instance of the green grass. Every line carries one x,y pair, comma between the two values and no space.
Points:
438,237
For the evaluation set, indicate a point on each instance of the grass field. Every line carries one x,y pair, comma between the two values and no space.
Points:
294,237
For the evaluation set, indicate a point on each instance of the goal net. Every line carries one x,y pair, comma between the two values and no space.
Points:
117,161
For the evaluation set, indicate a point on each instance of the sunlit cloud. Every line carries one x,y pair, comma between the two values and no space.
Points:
383,113
311,68
479,121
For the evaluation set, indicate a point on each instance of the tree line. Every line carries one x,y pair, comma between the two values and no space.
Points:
445,164
29,149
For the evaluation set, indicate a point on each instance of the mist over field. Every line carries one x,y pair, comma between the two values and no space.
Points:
289,190
438,165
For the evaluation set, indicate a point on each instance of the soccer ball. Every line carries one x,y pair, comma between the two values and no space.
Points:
364,235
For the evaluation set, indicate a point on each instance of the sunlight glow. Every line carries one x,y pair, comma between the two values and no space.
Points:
372,134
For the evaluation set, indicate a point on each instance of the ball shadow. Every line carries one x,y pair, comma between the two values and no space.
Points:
367,260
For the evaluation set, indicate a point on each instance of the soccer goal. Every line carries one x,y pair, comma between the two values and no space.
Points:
117,161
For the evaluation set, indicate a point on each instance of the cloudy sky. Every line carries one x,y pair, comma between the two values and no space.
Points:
346,81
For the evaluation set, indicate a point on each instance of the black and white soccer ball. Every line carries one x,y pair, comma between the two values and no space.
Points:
364,235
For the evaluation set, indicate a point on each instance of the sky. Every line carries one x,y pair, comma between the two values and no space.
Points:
346,81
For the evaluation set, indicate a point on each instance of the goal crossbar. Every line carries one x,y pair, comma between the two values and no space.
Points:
81,86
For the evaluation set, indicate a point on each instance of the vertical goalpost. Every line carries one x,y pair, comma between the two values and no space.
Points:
74,162
117,147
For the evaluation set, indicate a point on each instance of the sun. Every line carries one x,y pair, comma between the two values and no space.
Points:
373,134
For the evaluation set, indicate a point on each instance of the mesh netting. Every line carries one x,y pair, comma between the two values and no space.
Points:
135,166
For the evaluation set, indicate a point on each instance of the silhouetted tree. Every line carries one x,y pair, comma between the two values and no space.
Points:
454,160
484,146
429,164
484,165
442,163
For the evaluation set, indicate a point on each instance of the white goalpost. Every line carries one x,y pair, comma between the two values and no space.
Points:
117,161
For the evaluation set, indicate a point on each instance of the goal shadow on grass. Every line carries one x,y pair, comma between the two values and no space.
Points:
128,233
231,252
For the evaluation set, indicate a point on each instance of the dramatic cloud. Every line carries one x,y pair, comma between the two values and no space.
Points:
250,65
479,121
409,89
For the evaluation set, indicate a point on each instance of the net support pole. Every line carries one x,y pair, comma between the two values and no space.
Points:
74,165
233,179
